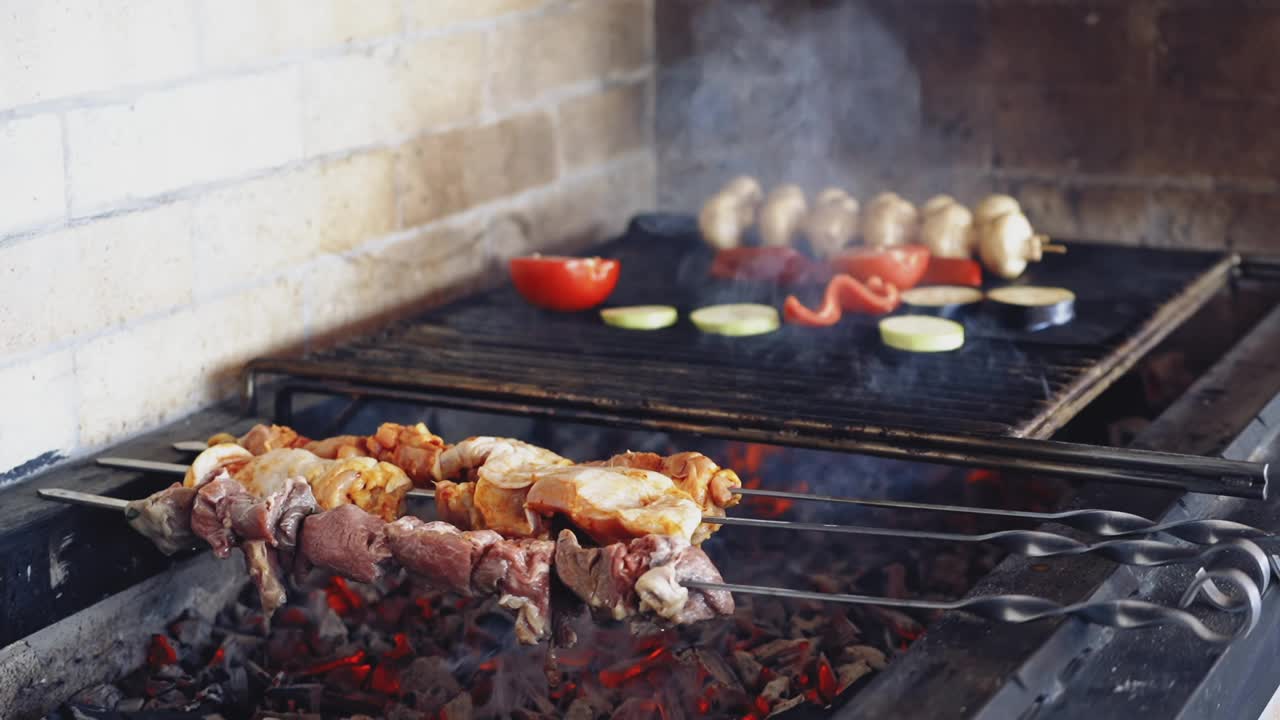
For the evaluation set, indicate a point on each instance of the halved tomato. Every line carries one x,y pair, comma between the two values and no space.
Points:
561,283
901,267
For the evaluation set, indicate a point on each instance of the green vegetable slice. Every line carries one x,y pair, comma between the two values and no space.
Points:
736,319
640,317
921,333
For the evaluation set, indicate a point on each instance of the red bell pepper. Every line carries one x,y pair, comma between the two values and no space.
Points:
846,294
900,266
784,265
952,271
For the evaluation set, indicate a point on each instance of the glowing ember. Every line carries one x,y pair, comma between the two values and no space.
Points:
161,652
341,597
615,678
353,659
827,685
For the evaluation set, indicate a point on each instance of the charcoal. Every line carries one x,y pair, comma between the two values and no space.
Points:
775,689
785,705
167,700
716,667
807,627
459,708
870,655
130,705
192,632
429,682
330,631
785,653
102,697
581,709
271,715
402,712
303,696
850,673
748,667
638,709
840,631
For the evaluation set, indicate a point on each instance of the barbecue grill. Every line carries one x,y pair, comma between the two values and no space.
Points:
995,404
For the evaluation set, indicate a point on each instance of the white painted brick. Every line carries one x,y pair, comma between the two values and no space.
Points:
269,225
45,388
31,175
83,279
152,373
248,324
140,377
240,31
57,48
435,14
387,94
173,139
343,291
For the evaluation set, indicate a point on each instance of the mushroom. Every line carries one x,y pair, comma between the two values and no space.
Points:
888,221
749,194
781,215
947,228
992,207
1007,243
832,223
721,221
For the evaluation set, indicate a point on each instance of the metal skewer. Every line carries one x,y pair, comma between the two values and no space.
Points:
1030,543
1108,523
1026,608
1001,608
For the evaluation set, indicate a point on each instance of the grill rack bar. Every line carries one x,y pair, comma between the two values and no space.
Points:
1131,466
1029,543
1125,614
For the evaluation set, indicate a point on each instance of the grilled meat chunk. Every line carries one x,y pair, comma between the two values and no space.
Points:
484,482
348,541
710,485
439,552
479,562
614,504
165,518
225,513
412,448
493,458
519,572
375,486
645,574
266,574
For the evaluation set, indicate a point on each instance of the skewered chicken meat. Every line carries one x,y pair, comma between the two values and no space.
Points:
613,504
710,486
377,487
412,448
497,477
644,574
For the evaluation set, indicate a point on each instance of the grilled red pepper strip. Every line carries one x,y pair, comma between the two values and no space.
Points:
875,297
952,271
843,293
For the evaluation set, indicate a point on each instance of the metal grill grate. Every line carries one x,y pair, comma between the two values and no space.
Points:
798,382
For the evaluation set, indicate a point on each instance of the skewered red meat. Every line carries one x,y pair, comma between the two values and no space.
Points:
347,541
644,574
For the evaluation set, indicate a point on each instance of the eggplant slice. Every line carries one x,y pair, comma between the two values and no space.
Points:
1033,307
942,300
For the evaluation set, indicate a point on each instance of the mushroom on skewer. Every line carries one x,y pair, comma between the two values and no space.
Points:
782,215
947,229
833,222
889,221
1007,243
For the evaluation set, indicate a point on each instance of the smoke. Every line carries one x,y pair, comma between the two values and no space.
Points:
815,94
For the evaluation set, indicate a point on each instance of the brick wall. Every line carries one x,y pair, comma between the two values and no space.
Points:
1136,121
185,184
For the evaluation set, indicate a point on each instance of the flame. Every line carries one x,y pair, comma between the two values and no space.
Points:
161,653
748,460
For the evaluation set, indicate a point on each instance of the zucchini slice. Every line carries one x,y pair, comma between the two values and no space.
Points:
640,317
944,300
736,319
1033,307
921,333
